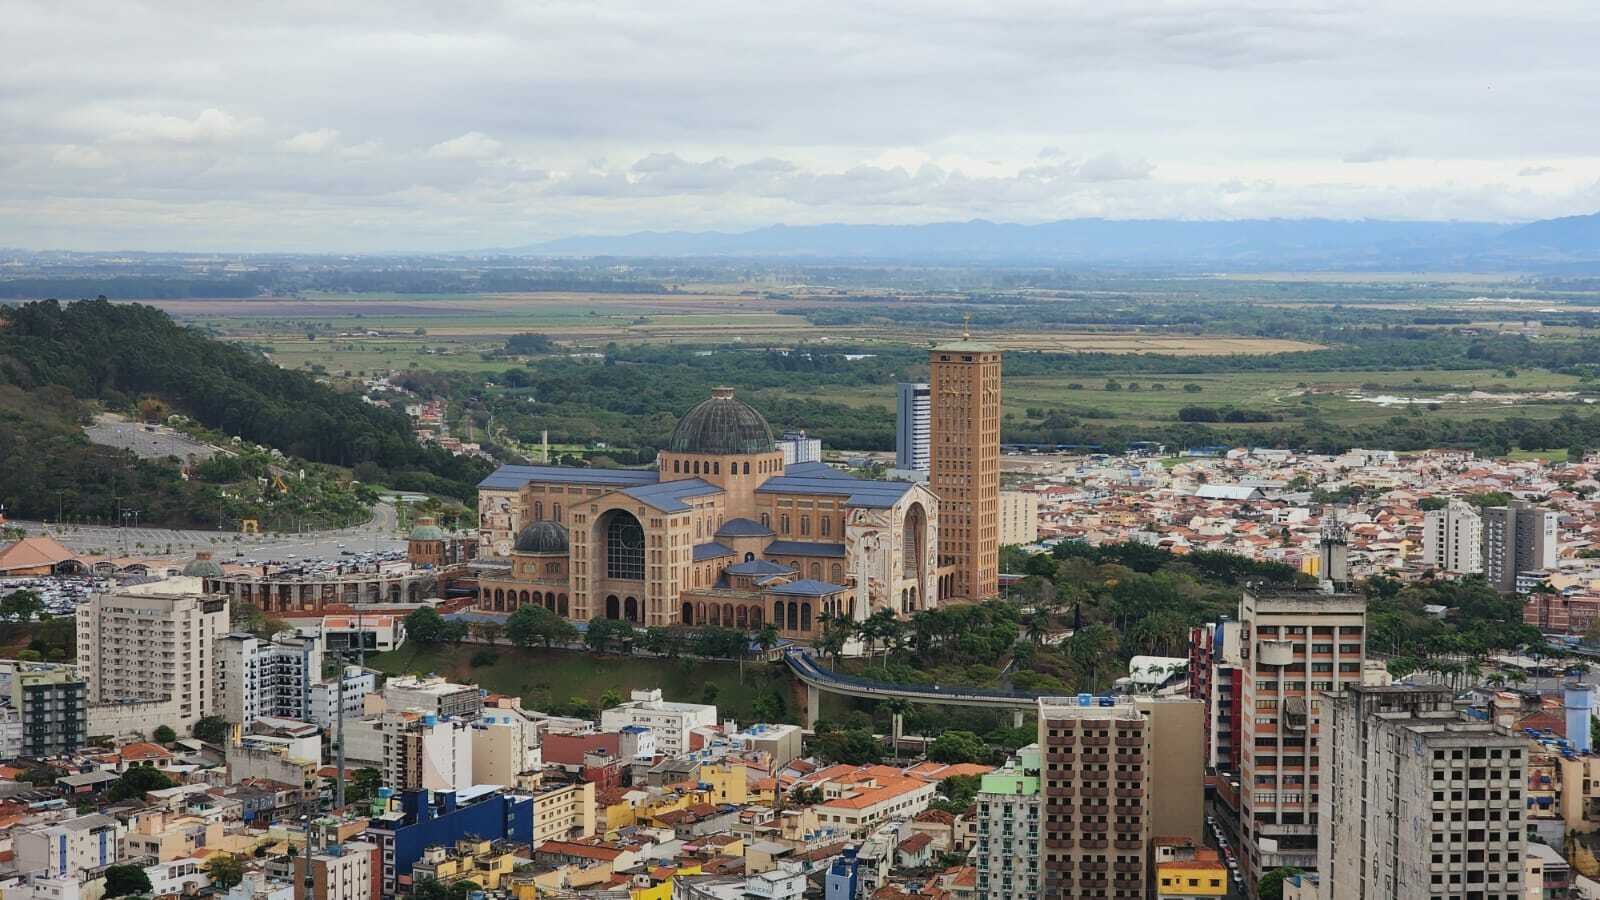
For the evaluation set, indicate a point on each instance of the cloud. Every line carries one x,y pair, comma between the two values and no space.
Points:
311,141
1379,151
472,145
73,156
1532,171
209,126
1114,167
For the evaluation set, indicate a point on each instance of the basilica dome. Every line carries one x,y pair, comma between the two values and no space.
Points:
722,425
542,537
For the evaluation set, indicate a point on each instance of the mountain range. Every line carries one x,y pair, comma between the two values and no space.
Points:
1571,243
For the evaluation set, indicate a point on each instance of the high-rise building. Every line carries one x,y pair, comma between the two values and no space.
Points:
1215,681
1418,801
259,677
69,848
1008,829
434,695
425,752
51,704
1294,646
404,825
1517,538
152,642
912,422
1452,539
670,721
339,871
797,447
1116,772
358,683
965,466
1019,517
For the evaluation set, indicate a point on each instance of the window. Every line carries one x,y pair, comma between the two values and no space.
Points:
783,523
624,548
826,525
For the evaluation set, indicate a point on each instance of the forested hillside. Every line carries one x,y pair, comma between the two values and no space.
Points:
118,354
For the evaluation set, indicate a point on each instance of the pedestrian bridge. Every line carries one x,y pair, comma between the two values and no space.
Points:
817,680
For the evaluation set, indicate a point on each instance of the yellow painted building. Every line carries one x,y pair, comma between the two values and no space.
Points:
1191,878
483,862
726,783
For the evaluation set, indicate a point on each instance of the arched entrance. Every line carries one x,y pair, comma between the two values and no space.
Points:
688,614
613,607
630,609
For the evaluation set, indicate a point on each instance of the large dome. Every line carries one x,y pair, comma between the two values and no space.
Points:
202,566
722,425
543,536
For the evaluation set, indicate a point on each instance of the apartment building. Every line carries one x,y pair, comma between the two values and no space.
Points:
425,752
505,743
1008,829
339,871
670,721
1295,646
358,683
51,707
1116,773
563,812
1517,538
68,849
1019,517
1419,801
259,677
153,642
1215,681
1452,539
913,427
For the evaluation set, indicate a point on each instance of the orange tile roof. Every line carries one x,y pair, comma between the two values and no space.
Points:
32,552
144,750
932,771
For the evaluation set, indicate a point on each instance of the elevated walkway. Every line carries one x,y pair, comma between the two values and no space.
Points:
818,680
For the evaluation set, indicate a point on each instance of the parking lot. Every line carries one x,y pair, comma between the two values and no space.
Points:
147,442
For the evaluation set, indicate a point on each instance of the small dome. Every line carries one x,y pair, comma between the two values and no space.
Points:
542,537
722,425
426,530
202,566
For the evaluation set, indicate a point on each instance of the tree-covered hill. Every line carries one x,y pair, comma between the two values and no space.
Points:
118,353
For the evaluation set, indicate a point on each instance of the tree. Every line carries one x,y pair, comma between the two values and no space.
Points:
459,890
211,729
21,605
163,734
957,747
136,782
855,747
225,870
535,624
609,698
364,785
490,632
603,633
1271,885
429,889
425,626
957,793
124,880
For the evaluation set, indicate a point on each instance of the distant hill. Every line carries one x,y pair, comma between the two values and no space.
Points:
1240,243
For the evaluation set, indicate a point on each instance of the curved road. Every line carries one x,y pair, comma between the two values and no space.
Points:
818,680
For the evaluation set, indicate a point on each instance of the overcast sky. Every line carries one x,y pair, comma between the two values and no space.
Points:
397,125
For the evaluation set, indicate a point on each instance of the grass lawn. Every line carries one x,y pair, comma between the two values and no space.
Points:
543,678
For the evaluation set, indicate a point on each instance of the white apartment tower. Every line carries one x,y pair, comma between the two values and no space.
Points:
1418,802
1517,538
425,752
913,430
1294,646
670,721
1008,829
152,642
1452,539
1019,517
264,678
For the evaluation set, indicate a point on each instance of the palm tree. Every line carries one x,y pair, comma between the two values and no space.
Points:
1037,626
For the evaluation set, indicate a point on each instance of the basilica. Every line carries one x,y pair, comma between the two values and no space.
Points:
720,532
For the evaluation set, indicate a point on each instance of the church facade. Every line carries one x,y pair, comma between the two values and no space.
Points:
721,532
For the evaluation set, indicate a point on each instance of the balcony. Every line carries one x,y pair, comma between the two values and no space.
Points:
1094,740
1132,867
1058,790
1093,865
1130,792
1056,843
1130,740
1130,759
1127,845
1096,792
1276,653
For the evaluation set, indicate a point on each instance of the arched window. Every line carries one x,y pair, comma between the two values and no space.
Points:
816,571
675,468
805,526
556,512
716,468
766,520
748,557
783,521
624,547
538,510
805,617
836,574
747,468
825,525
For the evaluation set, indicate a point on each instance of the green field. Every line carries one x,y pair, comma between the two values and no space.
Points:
543,678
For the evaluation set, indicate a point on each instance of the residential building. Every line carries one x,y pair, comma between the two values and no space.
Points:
484,863
965,466
416,820
857,799
1546,873
1117,771
49,708
369,633
1517,538
358,683
670,721
340,870
1019,517
259,677
1294,647
780,741
1452,539
1418,801
1200,874
426,752
797,447
153,642
1008,829
433,695
165,837
563,812
68,848
913,427
1214,680
505,744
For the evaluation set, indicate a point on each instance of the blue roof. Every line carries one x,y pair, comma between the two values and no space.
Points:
817,478
804,548
742,527
712,550
510,478
667,496
806,588
758,567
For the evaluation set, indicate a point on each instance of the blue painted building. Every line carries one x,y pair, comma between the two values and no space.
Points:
416,820
842,881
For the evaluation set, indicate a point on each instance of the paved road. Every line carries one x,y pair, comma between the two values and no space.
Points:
378,534
115,431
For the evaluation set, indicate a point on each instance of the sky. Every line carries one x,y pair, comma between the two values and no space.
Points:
395,125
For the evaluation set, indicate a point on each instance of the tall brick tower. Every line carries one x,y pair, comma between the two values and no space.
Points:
965,469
